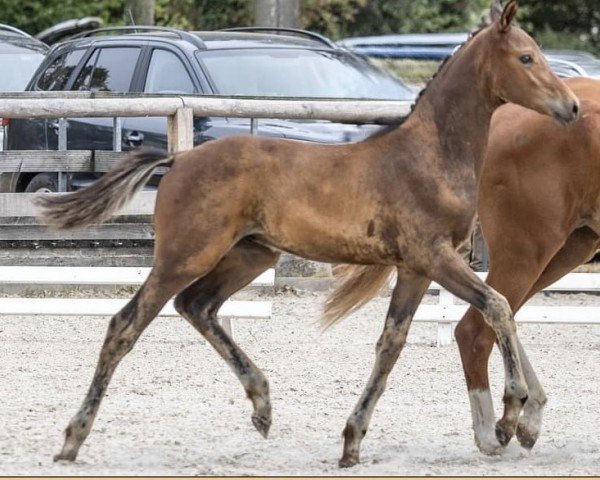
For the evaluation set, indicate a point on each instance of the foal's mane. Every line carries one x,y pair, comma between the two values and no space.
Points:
399,121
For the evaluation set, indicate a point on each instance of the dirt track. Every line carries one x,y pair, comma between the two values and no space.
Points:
174,408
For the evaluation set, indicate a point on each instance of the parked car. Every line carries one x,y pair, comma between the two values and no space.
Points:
422,46
438,46
20,55
571,63
255,62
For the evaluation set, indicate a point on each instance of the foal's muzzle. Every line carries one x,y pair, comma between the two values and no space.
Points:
566,112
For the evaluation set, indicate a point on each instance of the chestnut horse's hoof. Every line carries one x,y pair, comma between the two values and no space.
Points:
490,446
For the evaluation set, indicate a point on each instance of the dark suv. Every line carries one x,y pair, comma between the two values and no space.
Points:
248,62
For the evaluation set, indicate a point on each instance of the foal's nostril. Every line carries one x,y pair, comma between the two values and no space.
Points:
575,109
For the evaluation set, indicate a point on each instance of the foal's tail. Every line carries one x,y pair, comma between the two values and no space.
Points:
360,283
98,202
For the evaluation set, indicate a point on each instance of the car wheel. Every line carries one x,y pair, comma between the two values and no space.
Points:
43,183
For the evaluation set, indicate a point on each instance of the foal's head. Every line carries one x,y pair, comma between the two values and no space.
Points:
517,70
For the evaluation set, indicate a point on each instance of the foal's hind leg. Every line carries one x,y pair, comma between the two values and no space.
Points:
405,299
453,274
579,248
200,302
123,331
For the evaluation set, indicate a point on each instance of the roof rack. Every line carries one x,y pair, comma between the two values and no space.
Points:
12,29
145,28
296,31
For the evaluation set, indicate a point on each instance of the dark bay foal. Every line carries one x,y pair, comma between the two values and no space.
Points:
404,198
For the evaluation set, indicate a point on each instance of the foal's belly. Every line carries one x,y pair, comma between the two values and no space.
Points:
335,244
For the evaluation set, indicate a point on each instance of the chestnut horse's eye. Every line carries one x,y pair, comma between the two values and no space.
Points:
525,59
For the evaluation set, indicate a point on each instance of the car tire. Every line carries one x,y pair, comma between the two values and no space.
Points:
43,183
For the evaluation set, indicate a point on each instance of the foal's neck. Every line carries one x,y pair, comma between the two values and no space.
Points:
458,105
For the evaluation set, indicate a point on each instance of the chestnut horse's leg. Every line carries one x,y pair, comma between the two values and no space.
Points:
453,274
476,339
579,248
406,297
200,302
123,331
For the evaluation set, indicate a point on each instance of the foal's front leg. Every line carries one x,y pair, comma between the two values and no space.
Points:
405,299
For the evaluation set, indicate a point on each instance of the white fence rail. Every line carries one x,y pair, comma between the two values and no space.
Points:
86,276
446,313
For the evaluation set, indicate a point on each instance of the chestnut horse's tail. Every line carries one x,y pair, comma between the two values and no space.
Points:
360,283
98,202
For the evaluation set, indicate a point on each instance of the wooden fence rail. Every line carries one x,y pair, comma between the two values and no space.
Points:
179,110
17,221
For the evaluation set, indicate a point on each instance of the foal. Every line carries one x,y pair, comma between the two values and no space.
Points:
405,198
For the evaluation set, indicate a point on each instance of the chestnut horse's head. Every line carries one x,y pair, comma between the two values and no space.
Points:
518,72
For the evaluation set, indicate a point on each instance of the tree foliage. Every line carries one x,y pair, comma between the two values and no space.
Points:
556,22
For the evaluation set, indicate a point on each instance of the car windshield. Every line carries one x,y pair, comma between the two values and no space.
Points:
17,69
298,73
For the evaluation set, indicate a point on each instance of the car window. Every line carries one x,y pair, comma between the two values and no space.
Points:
58,72
17,69
298,73
167,74
108,70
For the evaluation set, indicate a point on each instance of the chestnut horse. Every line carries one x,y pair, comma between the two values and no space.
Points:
539,207
404,198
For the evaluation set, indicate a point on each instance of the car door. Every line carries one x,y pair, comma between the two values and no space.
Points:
167,71
107,69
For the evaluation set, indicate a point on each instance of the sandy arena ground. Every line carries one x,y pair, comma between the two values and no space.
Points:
174,408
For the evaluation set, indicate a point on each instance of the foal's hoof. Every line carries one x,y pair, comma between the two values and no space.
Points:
526,437
503,434
348,461
66,456
262,424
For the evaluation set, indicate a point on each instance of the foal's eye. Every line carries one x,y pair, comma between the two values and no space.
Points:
525,59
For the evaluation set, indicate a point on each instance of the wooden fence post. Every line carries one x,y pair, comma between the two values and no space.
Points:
180,130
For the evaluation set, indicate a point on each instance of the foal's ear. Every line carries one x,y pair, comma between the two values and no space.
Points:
495,12
507,16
